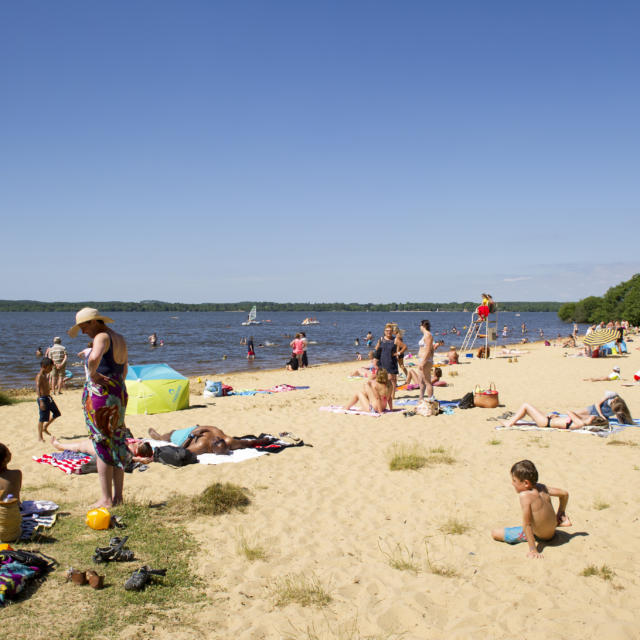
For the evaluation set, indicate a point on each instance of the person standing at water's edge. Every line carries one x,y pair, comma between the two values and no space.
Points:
105,401
58,355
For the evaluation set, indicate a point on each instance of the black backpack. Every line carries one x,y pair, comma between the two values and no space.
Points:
174,456
466,402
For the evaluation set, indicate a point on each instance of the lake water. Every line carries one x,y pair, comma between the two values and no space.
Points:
195,342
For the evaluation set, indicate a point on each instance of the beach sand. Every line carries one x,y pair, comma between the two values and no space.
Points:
334,510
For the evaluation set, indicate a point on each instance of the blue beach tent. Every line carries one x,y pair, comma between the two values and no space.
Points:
156,388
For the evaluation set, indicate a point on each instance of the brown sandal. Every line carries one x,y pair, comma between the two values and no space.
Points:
77,577
96,581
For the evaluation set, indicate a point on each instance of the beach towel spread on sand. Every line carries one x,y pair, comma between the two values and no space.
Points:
603,432
276,445
67,461
408,402
279,388
355,412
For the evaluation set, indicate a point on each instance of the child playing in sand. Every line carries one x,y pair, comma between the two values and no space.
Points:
538,517
46,405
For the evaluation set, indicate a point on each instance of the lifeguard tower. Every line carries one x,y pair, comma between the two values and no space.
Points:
484,330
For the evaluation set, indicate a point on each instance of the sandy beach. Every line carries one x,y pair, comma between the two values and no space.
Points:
335,511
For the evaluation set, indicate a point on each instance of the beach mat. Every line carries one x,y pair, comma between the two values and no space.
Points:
410,402
354,412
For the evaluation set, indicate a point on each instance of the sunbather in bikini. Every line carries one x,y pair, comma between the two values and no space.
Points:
571,421
375,395
208,439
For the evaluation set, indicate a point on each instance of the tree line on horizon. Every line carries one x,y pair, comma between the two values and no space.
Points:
245,306
621,302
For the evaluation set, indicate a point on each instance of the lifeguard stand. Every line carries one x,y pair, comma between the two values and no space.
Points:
490,328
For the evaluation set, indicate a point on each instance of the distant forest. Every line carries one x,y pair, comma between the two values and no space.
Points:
621,302
308,307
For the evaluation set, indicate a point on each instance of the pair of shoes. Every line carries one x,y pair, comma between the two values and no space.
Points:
408,414
115,551
289,437
141,577
82,577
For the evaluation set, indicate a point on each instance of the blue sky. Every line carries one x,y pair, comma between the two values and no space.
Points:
293,151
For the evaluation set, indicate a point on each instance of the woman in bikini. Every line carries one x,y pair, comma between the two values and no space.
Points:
425,360
401,349
571,421
375,395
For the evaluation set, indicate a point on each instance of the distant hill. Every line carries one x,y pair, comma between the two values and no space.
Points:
156,305
621,302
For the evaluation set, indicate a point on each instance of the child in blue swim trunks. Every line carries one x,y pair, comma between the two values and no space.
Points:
539,520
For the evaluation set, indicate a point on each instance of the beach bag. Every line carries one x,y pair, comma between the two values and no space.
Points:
10,520
226,390
174,456
212,389
486,398
428,408
466,402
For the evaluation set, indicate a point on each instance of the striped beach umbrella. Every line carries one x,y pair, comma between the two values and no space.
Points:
600,337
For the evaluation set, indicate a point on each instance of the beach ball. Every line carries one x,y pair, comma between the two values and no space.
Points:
6,547
98,518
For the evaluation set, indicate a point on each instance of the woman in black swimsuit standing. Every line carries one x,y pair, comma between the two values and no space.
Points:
386,354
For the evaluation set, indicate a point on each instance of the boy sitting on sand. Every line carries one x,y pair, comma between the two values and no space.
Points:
538,517
46,405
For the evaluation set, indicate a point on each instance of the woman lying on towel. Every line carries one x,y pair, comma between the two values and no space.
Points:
208,440
375,395
571,421
140,450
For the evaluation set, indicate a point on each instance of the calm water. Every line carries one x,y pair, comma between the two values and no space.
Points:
195,343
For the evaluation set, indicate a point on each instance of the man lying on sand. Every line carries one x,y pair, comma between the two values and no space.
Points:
207,440
538,517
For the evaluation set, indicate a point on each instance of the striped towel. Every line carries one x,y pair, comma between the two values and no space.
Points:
68,465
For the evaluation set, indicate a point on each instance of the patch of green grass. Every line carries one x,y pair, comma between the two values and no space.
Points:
340,631
624,443
400,558
5,399
249,548
494,442
454,527
307,591
66,611
440,455
216,499
414,456
599,505
407,457
636,467
540,442
604,572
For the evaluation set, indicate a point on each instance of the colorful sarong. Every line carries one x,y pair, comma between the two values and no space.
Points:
104,408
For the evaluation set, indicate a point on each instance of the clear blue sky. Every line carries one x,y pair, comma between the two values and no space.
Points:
299,151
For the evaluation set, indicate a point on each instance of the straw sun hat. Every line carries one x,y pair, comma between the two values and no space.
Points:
86,315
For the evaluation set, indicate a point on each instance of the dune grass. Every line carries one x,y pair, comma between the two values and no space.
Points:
622,443
599,505
413,456
604,572
494,442
400,558
249,548
307,591
215,500
454,527
442,570
6,399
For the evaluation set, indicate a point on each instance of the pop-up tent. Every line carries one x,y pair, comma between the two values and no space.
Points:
156,388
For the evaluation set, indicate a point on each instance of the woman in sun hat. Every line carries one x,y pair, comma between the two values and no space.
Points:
105,400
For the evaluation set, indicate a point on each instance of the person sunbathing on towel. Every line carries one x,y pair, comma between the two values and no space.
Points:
570,421
140,450
376,395
415,375
207,439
